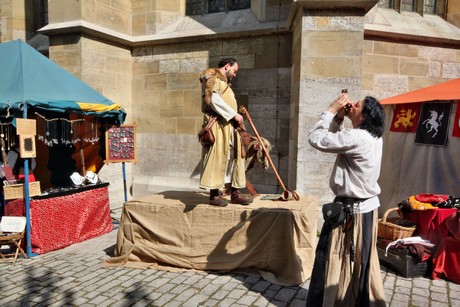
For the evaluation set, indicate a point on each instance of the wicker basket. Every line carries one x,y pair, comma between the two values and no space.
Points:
391,231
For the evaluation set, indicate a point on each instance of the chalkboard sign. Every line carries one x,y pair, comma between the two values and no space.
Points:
120,144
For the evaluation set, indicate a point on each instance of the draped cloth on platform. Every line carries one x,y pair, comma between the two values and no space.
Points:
179,230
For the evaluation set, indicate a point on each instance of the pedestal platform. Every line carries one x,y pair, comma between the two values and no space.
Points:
177,229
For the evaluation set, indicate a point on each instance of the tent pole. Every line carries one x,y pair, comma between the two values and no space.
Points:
82,155
27,198
124,180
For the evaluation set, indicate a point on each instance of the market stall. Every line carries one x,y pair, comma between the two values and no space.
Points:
420,158
416,159
65,218
70,119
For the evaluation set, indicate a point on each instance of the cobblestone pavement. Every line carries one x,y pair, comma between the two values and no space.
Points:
73,276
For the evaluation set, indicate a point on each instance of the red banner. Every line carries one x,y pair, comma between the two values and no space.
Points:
405,117
456,130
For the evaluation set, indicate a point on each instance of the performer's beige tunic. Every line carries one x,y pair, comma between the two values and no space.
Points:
215,158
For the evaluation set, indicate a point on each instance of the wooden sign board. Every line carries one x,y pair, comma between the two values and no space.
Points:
120,144
26,126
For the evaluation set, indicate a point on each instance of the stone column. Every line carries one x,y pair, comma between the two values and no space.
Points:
327,54
453,13
13,21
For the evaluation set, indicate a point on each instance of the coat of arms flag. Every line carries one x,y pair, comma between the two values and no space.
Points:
405,117
433,124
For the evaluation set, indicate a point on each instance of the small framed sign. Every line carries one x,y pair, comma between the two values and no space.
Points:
120,144
27,146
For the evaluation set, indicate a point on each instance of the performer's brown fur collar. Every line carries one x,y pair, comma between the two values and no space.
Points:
208,79
212,72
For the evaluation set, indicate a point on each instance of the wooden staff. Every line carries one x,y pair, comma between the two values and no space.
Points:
287,195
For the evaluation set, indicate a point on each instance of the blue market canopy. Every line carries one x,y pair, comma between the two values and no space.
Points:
28,77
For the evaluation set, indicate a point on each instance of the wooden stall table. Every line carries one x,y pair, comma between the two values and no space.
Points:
61,219
179,230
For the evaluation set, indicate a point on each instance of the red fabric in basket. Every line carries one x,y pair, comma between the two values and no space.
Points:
57,222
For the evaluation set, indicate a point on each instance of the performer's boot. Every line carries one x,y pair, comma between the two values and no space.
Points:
240,199
227,189
216,200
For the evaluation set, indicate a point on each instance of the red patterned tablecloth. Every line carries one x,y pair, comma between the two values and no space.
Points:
57,222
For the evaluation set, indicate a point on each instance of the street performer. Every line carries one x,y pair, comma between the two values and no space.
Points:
346,271
222,162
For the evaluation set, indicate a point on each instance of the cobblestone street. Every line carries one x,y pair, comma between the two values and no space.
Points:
74,276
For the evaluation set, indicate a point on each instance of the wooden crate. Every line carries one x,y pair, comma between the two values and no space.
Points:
400,261
14,191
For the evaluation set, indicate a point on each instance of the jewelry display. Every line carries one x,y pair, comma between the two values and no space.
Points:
67,132
7,133
120,143
91,132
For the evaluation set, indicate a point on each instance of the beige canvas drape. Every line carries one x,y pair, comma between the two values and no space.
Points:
179,230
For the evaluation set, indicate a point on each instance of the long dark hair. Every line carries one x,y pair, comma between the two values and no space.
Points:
373,117
226,61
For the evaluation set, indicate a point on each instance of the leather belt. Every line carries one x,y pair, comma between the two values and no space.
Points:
349,200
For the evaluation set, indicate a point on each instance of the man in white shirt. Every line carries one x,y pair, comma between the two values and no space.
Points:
344,273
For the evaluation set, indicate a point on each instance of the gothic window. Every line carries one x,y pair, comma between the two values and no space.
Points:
40,13
430,7
193,7
201,7
420,6
408,5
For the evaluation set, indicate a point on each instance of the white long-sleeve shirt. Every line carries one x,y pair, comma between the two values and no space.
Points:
357,167
221,107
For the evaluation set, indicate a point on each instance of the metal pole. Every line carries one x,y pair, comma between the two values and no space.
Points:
124,180
27,198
